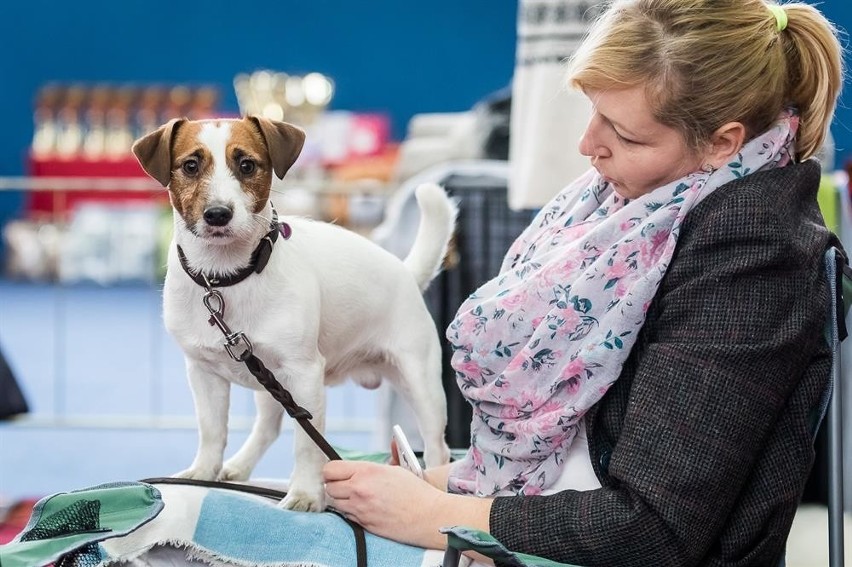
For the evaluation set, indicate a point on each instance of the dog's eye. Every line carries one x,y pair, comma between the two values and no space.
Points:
190,166
247,166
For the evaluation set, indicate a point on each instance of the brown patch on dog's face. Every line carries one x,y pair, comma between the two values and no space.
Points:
250,162
192,167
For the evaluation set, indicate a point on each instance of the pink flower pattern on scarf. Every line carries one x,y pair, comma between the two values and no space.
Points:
538,345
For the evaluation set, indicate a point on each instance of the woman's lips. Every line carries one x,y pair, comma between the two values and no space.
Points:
607,179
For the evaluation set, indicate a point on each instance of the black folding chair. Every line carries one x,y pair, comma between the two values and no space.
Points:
840,282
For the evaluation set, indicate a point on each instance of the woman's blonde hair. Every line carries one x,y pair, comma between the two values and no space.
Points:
709,62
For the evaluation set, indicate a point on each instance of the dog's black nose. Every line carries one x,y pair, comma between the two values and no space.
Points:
217,215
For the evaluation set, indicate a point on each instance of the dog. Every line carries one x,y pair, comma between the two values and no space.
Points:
326,305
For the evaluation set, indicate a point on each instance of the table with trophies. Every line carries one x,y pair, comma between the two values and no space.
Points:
90,212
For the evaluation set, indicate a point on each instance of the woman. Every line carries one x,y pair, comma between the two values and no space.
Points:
645,310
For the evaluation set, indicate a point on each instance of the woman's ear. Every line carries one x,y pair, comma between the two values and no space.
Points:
725,143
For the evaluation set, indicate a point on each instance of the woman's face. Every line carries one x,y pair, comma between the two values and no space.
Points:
630,148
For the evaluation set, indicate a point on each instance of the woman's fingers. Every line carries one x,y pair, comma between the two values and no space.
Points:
338,470
336,490
347,480
337,475
394,458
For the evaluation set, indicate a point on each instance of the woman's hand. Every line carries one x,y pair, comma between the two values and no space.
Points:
391,502
388,501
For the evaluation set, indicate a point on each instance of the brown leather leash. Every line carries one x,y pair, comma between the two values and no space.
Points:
215,303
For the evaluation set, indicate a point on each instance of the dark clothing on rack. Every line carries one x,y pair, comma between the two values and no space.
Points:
12,400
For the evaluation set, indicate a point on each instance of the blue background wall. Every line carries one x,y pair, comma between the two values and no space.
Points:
840,12
384,55
387,55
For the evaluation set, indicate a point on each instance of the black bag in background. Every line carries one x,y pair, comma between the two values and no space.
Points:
493,114
12,400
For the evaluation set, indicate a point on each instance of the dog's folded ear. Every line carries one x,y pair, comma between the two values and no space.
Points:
154,151
283,140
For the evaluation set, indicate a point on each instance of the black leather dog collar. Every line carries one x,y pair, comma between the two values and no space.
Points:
259,259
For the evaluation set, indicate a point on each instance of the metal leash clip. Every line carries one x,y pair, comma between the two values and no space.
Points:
215,304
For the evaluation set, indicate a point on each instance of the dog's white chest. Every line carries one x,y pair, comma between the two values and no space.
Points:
189,321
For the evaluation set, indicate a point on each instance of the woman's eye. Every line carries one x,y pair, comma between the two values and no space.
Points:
190,166
247,166
623,139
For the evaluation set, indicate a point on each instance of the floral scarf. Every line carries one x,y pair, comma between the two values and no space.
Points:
537,346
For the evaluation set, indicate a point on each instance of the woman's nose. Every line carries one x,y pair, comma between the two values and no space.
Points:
591,143
586,144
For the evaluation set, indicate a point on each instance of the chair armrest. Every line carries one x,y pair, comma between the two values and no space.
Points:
460,539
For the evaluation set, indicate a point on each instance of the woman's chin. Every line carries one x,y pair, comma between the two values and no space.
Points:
619,189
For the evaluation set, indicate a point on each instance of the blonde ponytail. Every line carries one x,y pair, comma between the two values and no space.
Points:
815,73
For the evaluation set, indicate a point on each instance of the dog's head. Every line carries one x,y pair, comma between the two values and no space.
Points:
219,172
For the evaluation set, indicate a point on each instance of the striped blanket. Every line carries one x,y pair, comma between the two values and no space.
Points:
124,522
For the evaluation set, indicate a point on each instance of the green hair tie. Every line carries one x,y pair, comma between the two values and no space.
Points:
780,16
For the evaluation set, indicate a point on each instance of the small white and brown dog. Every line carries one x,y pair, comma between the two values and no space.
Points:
322,305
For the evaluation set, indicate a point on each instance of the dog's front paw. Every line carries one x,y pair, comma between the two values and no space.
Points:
300,500
235,472
197,473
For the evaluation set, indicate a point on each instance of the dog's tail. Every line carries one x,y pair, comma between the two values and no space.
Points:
437,222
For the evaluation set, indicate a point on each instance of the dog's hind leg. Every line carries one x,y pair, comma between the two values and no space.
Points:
264,432
420,385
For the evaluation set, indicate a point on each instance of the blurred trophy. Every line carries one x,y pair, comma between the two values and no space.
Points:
99,122
176,103
45,126
119,130
69,133
203,103
148,110
261,93
278,96
94,137
310,97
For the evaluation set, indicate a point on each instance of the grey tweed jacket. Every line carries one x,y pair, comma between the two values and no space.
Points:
702,446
